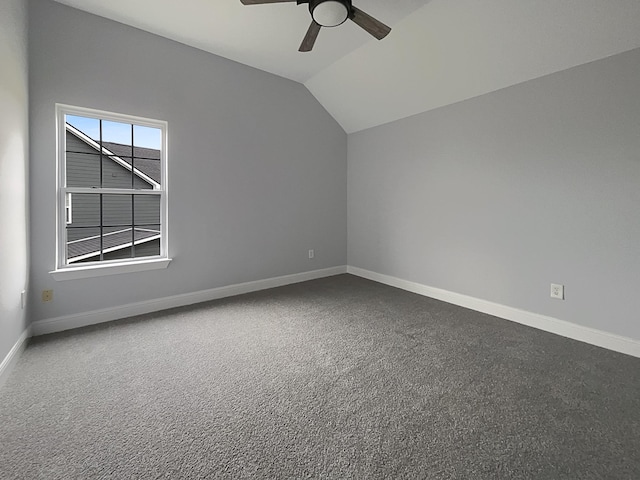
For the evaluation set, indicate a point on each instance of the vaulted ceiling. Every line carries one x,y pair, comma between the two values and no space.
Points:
439,51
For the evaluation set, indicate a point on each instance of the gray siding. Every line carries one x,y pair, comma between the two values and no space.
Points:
85,209
148,249
146,209
116,213
83,170
116,210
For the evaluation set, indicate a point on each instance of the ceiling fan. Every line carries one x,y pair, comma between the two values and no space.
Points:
331,13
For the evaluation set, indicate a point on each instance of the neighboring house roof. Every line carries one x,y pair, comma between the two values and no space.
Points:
147,168
90,247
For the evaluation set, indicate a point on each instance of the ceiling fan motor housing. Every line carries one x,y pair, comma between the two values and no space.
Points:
330,13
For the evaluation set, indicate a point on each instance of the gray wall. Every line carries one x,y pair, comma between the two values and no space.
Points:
14,140
257,168
499,196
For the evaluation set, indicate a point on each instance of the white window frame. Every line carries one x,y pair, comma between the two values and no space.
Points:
64,271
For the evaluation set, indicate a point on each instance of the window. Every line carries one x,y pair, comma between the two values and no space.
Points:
111,192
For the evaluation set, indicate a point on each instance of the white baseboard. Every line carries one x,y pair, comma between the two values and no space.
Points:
12,357
592,336
58,324
541,322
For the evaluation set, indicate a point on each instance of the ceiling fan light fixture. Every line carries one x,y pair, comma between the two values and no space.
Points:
329,13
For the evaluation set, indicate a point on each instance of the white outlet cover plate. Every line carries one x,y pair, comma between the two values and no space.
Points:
557,291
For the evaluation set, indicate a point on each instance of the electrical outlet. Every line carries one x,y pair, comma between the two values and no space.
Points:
557,291
311,254
47,295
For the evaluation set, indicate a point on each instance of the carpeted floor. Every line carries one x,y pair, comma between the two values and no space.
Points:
334,378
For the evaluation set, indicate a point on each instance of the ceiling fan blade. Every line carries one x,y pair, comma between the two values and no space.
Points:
260,2
310,37
370,24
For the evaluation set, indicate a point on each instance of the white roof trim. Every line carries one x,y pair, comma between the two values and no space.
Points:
112,249
111,233
91,142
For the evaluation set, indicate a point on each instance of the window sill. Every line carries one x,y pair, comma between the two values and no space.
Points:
75,272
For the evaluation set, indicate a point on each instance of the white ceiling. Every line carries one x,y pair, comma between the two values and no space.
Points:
452,50
263,36
439,52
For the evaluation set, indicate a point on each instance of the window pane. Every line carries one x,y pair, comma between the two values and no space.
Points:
116,133
147,137
88,126
83,170
83,235
117,241
83,244
148,248
86,210
116,172
118,254
147,209
147,240
147,218
147,167
116,210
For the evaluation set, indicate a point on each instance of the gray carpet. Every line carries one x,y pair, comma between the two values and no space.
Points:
334,378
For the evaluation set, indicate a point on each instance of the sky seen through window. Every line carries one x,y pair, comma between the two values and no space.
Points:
117,132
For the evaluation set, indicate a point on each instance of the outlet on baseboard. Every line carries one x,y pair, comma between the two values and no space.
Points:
557,291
